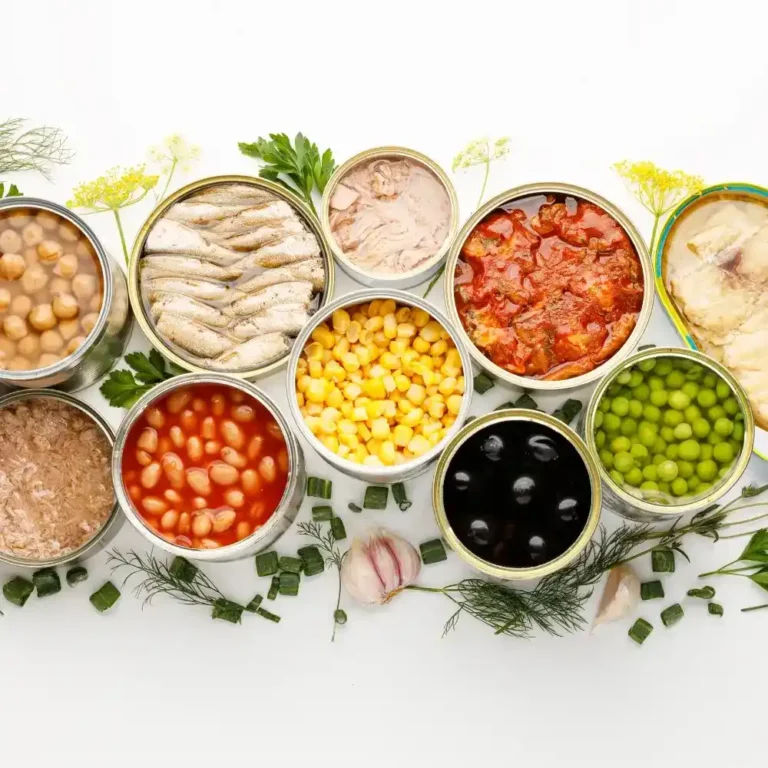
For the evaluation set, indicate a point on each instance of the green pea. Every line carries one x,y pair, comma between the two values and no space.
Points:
723,453
659,458
675,380
738,431
636,377
640,454
613,389
649,485
706,452
660,445
598,419
651,413
599,438
678,400
655,383
624,377
646,365
620,406
700,427
625,392
605,404
693,483
611,423
706,470
691,413
689,450
668,434
672,452
694,373
667,471
628,427
641,392
682,364
731,406
673,418
706,398
713,438
709,380
691,388
685,469
634,477
664,487
658,397
724,427
736,445
606,458
635,409
679,487
683,431
619,444
703,487
623,461
716,412
617,477
724,472
663,366
722,390
646,435
650,472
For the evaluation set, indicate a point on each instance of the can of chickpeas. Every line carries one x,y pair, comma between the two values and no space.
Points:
206,467
378,384
65,315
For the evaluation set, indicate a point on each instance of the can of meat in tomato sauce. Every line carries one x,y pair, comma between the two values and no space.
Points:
633,502
508,201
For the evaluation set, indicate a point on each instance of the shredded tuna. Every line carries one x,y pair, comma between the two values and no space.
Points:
55,484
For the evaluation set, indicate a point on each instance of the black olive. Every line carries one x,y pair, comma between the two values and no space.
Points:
523,488
462,480
543,448
537,548
492,447
568,509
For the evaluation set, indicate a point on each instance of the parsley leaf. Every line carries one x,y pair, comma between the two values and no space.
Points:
122,388
149,370
13,191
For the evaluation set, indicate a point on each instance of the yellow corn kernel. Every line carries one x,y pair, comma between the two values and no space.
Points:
454,404
413,418
387,452
419,445
403,314
313,351
436,437
340,320
424,373
388,381
315,369
355,377
390,326
405,405
314,409
380,340
366,336
330,413
346,409
375,388
399,458
460,384
372,461
406,331
326,427
449,421
445,335
363,431
346,427
360,316
363,354
447,386
353,331
373,308
430,428
316,390
302,382
361,402
419,317
427,362
352,391
431,332
348,439
374,350
374,409
438,361
388,409
323,336
301,364
421,345
341,348
417,380
300,398
402,435
379,429
436,410
398,346
432,391
387,307
375,323
373,445
313,424
326,356
395,396
343,451
416,394
359,414
388,360
350,362
334,372
403,382
438,348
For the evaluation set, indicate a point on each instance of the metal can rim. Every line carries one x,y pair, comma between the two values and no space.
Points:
626,224
97,333
414,276
484,566
658,510
231,551
370,474
134,293
27,394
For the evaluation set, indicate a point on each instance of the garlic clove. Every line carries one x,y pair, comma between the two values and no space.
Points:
620,595
359,576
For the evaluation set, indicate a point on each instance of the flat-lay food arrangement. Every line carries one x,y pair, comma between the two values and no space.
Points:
547,287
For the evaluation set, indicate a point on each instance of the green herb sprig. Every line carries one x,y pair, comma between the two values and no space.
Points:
301,162
13,191
123,388
38,149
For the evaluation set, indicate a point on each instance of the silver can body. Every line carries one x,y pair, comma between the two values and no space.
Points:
110,336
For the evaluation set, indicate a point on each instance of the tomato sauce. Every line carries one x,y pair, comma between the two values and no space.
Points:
205,466
549,288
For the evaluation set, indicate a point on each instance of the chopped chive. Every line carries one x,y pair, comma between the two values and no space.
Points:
76,575
354,508
182,569
47,582
432,551
672,615
105,597
663,560
274,588
337,528
226,610
640,630
339,616
568,411
313,565
319,488
482,383
253,606
291,564
704,593
18,590
322,514
288,583
267,615
398,494
526,401
267,564
309,553
651,590
376,497
715,609
503,406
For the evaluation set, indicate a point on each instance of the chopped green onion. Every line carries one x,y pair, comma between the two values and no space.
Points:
337,528
309,553
319,488
482,383
18,590
663,561
289,583
182,569
672,615
339,616
398,494
526,401
715,609
322,514
226,610
568,411
47,582
267,564
313,565
376,497
354,508
291,564
502,407
651,590
105,597
640,630
253,606
274,588
705,593
267,615
432,551
76,575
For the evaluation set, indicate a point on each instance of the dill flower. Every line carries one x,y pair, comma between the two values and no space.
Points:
174,151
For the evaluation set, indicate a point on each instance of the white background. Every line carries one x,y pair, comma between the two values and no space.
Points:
578,86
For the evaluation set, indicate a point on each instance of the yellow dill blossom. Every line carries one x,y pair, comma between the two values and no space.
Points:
175,152
657,189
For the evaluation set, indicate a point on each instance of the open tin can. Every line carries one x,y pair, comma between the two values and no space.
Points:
507,201
111,332
551,476
262,537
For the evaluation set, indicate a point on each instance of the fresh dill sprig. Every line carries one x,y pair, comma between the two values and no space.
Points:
334,558
37,149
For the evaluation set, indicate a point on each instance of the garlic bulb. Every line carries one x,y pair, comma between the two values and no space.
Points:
374,571
621,593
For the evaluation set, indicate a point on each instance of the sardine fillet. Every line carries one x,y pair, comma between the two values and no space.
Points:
311,270
254,216
198,289
233,194
297,292
176,265
185,306
168,236
189,335
288,251
250,354
258,236
285,318
203,213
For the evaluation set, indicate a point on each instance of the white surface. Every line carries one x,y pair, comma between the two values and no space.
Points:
578,86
